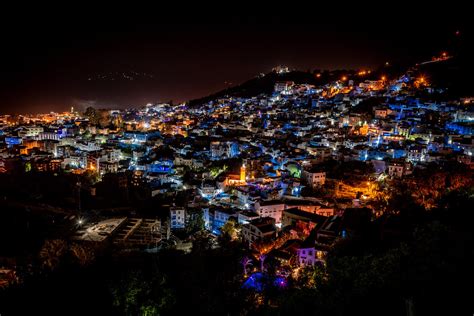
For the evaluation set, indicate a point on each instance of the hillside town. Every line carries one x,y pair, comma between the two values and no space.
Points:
287,174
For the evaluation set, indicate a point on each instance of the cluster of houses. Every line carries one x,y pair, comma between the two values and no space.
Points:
261,161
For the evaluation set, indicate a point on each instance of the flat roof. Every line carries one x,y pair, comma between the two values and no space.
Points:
101,230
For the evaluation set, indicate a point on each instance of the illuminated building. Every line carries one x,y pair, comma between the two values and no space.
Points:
315,179
47,165
178,217
108,166
237,179
398,169
93,161
30,131
281,69
284,88
137,178
245,217
258,229
381,113
215,218
364,129
243,173
306,256
304,221
270,208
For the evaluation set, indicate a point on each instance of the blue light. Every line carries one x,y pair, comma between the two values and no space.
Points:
257,282
13,141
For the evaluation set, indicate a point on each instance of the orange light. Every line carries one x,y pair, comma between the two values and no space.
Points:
383,78
318,75
344,78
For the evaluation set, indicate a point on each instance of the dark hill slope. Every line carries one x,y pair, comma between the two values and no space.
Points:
265,84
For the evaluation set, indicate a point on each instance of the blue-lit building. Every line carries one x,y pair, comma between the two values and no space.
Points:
13,140
215,218
163,166
463,128
136,136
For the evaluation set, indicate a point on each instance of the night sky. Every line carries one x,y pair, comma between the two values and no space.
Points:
82,56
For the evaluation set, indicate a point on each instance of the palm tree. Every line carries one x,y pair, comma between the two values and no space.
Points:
52,252
262,261
82,254
245,262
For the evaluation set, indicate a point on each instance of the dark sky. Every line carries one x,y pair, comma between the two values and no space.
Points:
51,60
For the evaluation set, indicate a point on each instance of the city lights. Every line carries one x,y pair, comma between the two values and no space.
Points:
174,171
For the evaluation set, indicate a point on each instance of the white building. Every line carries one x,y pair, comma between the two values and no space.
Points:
321,152
285,87
180,161
47,135
306,256
178,217
395,170
315,179
399,169
273,209
258,229
416,154
31,131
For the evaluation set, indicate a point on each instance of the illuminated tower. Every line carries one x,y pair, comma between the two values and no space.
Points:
364,129
243,171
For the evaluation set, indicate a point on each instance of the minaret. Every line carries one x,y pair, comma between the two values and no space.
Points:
243,172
